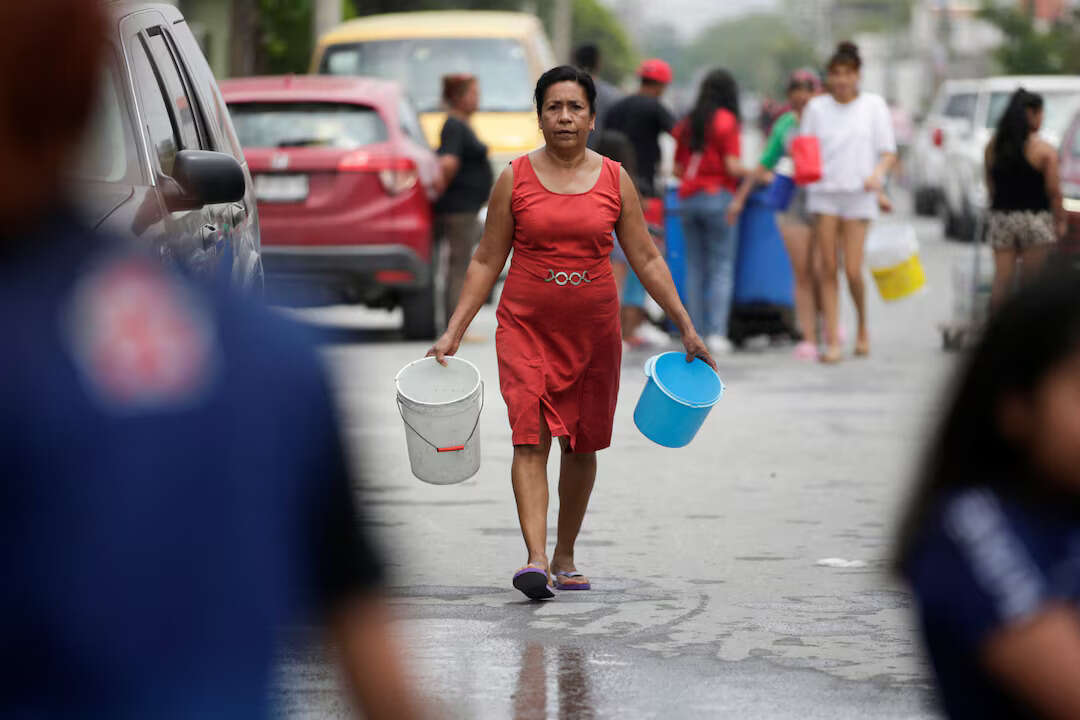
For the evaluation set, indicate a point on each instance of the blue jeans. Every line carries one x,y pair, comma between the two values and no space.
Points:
711,245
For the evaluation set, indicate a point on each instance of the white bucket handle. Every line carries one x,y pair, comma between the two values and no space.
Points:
452,448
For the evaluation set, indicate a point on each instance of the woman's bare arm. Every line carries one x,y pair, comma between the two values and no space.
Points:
1053,186
373,663
651,269
759,176
487,262
1039,661
448,170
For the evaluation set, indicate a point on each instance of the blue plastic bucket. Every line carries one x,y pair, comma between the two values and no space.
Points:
780,191
676,399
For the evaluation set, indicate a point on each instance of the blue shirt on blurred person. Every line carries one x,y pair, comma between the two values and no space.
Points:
174,488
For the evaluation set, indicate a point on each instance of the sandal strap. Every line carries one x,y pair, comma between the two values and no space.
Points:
571,574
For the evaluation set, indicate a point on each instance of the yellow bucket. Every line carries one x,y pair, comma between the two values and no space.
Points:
900,281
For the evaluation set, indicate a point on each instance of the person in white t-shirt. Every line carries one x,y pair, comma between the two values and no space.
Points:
858,149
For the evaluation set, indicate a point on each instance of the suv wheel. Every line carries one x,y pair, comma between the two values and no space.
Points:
419,308
423,308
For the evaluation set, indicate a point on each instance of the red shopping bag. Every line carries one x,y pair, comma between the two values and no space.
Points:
806,154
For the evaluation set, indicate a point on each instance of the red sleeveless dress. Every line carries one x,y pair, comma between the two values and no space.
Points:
558,340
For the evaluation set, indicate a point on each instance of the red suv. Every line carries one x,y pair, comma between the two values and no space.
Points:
344,182
1070,183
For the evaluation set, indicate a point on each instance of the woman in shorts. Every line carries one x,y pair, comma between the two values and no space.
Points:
1026,212
795,222
858,150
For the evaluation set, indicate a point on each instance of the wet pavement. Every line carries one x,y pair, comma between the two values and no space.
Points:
745,576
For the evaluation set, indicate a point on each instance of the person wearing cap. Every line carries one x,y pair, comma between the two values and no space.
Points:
642,118
796,223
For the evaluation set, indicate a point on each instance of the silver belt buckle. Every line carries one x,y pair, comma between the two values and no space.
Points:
563,278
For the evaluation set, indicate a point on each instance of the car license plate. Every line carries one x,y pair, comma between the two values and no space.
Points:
281,188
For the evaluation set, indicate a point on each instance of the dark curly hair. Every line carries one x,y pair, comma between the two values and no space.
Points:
565,73
847,53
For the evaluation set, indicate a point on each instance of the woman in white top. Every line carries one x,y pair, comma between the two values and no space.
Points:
858,150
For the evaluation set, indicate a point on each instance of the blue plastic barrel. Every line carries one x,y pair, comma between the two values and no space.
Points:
677,398
762,266
674,242
780,192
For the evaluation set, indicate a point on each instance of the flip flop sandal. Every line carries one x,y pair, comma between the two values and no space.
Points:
561,585
533,582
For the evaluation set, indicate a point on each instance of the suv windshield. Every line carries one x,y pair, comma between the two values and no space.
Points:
419,64
285,125
1058,110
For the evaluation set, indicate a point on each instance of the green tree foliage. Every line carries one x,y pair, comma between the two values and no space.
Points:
1030,50
285,36
595,23
760,50
286,43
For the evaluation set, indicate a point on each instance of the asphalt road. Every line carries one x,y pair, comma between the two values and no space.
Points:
711,597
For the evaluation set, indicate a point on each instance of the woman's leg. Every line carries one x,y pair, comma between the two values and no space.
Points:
798,241
723,244
1004,267
1034,260
529,476
854,235
577,475
826,229
461,233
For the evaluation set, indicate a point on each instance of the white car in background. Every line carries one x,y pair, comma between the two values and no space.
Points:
965,195
952,112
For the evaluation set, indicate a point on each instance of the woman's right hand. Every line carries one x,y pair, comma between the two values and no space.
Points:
446,346
734,210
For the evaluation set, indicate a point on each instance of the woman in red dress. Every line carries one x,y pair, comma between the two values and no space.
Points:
558,339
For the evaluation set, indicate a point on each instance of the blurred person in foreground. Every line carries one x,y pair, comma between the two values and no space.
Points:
796,223
990,541
174,487
707,160
1026,212
587,57
466,181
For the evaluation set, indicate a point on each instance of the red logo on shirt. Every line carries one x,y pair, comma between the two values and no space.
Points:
140,338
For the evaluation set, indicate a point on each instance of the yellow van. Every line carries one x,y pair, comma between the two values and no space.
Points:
506,51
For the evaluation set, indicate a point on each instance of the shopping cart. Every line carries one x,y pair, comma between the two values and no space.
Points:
972,284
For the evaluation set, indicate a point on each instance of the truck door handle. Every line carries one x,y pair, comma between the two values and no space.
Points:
208,234
237,213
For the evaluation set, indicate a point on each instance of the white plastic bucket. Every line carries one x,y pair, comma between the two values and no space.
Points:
441,409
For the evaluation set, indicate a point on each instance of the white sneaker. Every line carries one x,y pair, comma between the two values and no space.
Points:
653,335
719,345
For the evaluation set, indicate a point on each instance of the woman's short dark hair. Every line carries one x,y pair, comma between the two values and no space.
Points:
847,53
1029,337
455,86
565,73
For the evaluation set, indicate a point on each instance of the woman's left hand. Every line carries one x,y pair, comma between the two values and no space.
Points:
695,348
874,183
